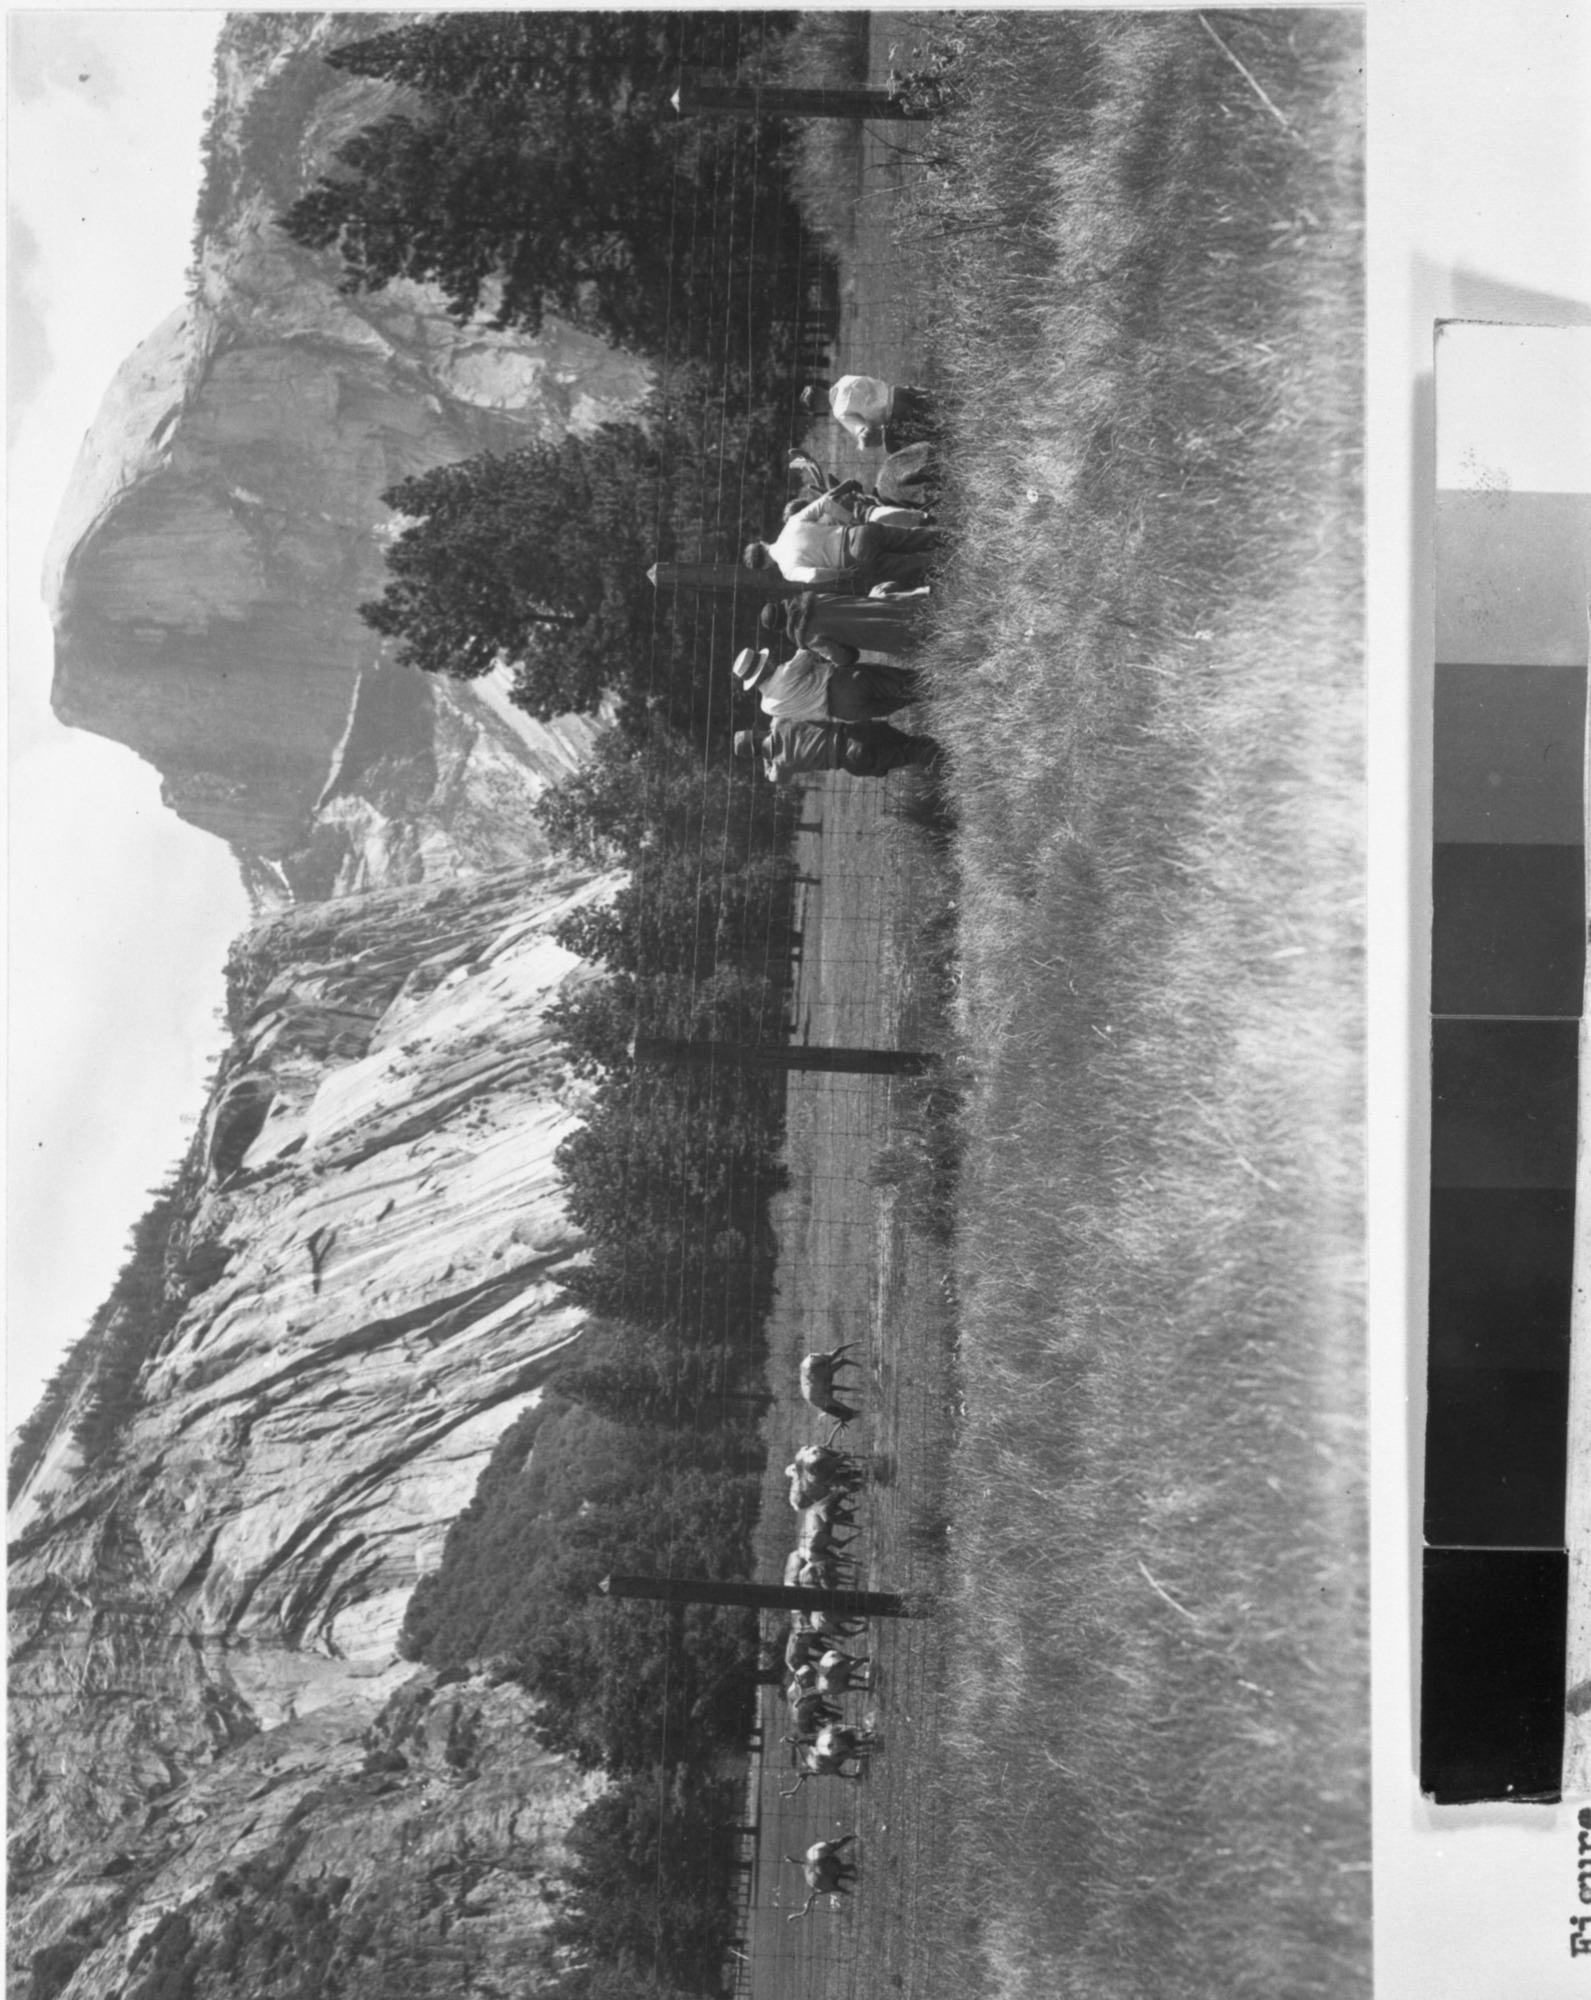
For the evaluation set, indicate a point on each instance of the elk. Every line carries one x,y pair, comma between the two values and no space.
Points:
838,1673
826,1757
817,1533
819,1454
809,1711
826,1874
810,1489
837,1509
825,1624
818,1572
802,1651
817,1382
818,1472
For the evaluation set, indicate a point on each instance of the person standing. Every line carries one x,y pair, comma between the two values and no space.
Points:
867,407
821,546
808,687
864,749
844,626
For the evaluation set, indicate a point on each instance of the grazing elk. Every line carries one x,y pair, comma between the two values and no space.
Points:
826,1874
808,1489
825,1624
809,1711
818,1473
803,1650
839,1673
817,1534
834,1747
817,1382
819,1572
838,1509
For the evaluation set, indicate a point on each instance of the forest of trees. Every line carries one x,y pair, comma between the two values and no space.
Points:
163,1272
542,169
647,1457
537,559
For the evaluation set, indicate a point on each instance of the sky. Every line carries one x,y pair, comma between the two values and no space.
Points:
119,915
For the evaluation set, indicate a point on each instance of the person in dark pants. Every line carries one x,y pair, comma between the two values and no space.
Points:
865,749
844,627
822,547
810,687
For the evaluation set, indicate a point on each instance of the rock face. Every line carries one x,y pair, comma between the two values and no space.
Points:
224,520
222,1777
203,1621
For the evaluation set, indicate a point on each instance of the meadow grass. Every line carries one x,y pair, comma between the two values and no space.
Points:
1147,307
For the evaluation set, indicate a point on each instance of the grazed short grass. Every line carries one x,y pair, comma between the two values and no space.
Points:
1148,671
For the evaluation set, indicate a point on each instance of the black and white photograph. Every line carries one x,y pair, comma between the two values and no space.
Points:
797,926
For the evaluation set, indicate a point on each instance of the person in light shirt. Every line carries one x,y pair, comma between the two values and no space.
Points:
867,407
811,688
822,546
865,749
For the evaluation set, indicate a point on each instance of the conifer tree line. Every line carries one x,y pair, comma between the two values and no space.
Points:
164,1271
534,164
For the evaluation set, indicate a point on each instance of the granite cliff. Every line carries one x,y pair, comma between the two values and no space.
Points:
203,1620
224,522
216,1756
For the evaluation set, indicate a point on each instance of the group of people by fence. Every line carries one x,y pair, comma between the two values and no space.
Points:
864,557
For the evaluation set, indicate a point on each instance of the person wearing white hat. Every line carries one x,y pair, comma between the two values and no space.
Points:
809,687
864,749
823,546
866,406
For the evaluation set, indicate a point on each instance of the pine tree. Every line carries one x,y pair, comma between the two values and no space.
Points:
544,170
533,559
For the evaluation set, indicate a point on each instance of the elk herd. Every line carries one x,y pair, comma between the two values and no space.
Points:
824,1485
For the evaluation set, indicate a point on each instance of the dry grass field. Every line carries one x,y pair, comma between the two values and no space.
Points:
1149,672
1128,1755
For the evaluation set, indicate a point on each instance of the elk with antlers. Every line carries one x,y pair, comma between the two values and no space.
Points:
826,1757
826,1874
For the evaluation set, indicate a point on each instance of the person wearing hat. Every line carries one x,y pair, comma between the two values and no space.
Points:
822,547
866,407
864,749
811,688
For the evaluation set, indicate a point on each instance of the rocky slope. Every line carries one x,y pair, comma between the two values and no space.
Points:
222,1779
224,519
203,1677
